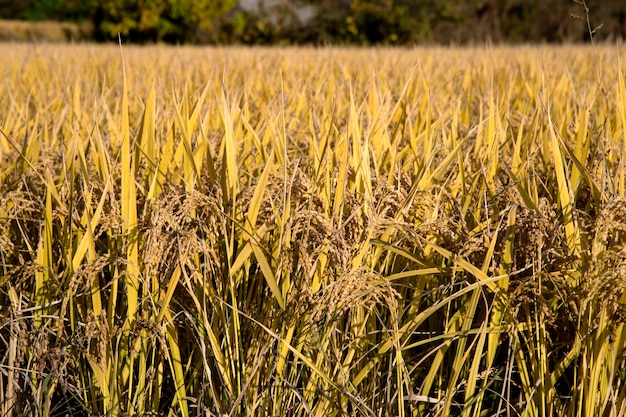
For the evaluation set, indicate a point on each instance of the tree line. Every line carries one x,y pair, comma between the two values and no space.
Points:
362,22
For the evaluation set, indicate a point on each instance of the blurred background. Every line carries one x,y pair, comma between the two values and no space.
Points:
322,22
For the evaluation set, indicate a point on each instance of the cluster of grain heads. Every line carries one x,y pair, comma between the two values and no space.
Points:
312,232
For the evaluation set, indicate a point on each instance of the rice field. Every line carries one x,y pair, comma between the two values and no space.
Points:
312,232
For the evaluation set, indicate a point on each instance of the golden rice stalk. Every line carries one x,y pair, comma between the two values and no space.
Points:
268,273
176,366
45,262
147,144
229,155
621,105
128,202
565,197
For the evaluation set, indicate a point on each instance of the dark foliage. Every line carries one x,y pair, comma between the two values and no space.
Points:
359,22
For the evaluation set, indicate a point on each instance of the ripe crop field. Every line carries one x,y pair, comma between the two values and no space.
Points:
312,232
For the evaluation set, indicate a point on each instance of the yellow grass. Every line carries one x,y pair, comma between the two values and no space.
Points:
46,31
231,231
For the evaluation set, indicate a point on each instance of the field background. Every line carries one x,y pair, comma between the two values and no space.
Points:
233,231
